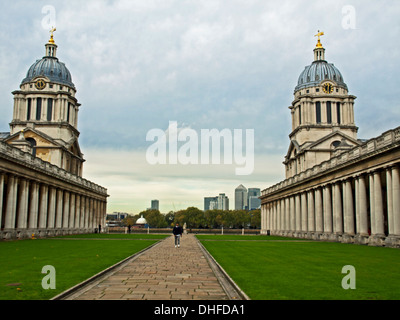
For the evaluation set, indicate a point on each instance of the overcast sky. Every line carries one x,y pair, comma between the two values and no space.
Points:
138,65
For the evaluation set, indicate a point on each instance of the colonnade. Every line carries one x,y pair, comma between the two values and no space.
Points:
46,208
362,208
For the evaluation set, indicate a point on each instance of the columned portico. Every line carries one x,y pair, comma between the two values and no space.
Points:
45,201
362,207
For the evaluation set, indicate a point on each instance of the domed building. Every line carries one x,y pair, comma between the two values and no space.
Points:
322,115
140,223
42,192
46,111
337,187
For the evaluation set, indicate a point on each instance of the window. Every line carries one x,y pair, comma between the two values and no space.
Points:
32,142
335,144
328,112
68,111
49,109
28,109
38,108
299,114
318,111
338,113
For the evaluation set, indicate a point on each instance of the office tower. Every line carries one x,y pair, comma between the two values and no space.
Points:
240,198
155,205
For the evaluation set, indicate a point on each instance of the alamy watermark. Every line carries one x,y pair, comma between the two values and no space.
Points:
49,281
187,146
349,19
49,20
349,281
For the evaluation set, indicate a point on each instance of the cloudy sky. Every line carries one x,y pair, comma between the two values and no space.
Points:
205,64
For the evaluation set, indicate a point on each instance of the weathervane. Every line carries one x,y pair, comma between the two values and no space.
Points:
52,34
319,34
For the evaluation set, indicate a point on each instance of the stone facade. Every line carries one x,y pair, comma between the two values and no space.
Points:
42,192
354,197
337,187
39,198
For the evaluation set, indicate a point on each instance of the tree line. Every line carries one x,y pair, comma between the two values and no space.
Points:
199,219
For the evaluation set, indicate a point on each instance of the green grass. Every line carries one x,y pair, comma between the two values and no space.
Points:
115,236
308,270
21,263
242,237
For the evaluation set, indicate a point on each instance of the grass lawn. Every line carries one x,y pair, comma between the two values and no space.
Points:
242,238
289,270
21,262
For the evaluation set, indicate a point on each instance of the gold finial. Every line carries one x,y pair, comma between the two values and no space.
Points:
319,34
52,34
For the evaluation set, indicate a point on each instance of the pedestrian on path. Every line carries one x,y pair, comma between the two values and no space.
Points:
177,231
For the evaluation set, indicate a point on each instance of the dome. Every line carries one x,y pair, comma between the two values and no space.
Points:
51,68
317,72
141,220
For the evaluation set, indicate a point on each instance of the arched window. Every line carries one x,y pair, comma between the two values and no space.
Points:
335,144
33,145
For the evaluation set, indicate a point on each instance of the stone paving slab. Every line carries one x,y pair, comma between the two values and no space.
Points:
161,273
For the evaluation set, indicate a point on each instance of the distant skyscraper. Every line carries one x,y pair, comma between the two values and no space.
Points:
210,203
240,198
223,202
253,198
155,205
254,203
213,203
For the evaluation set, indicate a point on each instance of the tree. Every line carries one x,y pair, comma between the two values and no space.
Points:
169,218
154,218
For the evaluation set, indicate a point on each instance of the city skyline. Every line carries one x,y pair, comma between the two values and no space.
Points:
205,66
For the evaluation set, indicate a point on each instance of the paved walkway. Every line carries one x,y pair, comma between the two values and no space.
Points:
161,273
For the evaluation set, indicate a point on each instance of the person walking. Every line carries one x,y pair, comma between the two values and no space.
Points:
177,231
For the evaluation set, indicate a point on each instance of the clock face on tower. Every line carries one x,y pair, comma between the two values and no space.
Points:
328,88
40,84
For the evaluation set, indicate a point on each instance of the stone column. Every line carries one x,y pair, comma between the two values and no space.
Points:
337,208
304,217
71,222
34,206
52,208
91,215
378,201
43,208
372,202
396,201
362,204
266,206
319,227
348,209
287,214
11,207
22,222
327,209
298,213
311,211
59,210
292,215
66,210
278,215
273,218
1,198
389,192
87,213
78,212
